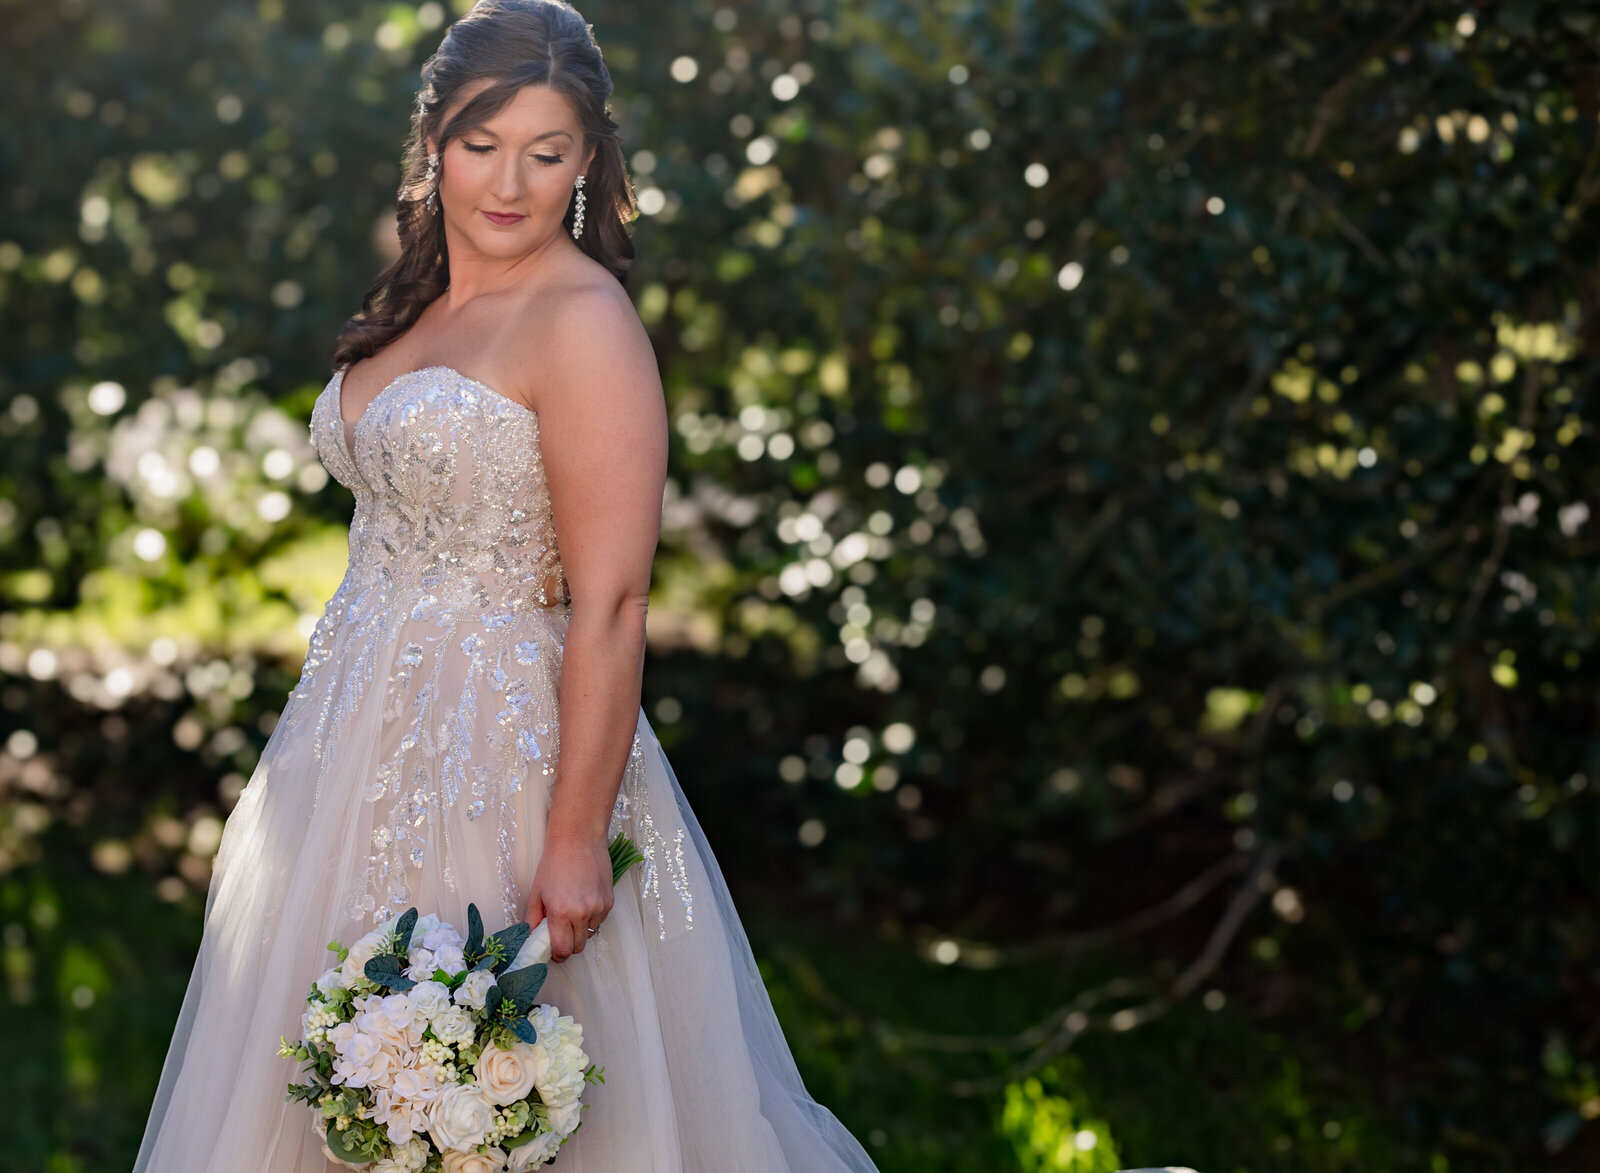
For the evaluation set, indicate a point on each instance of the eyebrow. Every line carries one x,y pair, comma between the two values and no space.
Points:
536,138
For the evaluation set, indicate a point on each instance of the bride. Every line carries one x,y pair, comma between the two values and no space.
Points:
467,724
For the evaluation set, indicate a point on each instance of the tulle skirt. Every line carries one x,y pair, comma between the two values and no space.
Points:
698,1076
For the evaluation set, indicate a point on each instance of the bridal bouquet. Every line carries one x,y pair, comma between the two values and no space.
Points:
428,1054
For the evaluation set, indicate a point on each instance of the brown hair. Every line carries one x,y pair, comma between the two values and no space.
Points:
517,43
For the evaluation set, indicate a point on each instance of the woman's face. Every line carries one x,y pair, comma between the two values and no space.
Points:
523,162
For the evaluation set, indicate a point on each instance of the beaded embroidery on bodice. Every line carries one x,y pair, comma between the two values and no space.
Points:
451,617
450,490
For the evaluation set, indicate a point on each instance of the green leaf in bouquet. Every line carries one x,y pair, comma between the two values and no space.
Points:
522,986
623,856
402,929
474,934
491,1001
530,1134
523,1029
342,1145
513,938
385,970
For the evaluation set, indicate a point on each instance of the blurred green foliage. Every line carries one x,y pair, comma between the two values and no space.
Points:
1133,470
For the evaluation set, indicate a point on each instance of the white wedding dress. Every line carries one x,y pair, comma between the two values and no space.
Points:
411,767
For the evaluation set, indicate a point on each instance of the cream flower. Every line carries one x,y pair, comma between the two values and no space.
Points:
564,1117
439,937
534,1153
556,1029
558,1080
393,1019
449,958
505,1076
361,1061
428,999
402,1106
425,925
355,963
413,1155
460,1117
474,986
421,965
454,1026
492,1161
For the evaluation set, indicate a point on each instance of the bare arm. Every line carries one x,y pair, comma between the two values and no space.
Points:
603,432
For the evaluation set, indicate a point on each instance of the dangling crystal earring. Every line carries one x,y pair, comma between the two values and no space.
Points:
433,169
577,211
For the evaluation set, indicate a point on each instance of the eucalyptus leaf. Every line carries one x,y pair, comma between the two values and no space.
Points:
513,937
408,921
385,970
522,985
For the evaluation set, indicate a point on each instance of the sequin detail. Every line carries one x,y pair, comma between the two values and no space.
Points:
451,619
632,814
456,593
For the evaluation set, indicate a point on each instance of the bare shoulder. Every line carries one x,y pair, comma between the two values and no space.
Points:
592,349
581,340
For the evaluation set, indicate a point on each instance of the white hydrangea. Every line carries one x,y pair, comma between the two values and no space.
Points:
534,1153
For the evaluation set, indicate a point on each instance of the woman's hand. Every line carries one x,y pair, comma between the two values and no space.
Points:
572,889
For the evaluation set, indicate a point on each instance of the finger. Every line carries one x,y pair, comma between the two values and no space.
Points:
560,940
580,936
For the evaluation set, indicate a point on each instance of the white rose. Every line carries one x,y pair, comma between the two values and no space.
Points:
564,1119
355,962
492,1161
390,1165
535,1152
472,989
505,1076
428,998
454,1026
460,1117
535,949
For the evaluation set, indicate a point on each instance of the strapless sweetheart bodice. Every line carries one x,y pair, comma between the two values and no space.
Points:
452,507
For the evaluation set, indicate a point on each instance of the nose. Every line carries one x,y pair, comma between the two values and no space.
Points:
507,184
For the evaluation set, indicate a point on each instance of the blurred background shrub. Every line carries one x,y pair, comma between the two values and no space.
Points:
1126,602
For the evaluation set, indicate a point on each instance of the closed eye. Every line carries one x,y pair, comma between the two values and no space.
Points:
547,160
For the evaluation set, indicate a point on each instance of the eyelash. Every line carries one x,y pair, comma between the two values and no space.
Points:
545,159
